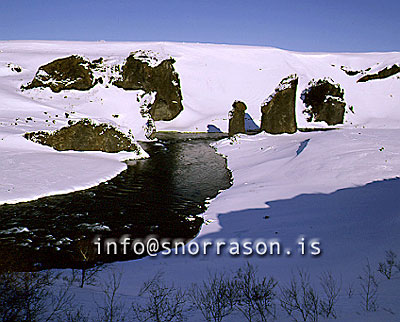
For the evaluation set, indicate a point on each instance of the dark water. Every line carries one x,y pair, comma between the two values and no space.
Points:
161,196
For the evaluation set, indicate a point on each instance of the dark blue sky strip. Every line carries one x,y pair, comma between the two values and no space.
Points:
304,25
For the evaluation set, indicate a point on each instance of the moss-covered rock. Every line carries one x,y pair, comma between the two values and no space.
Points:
137,74
141,71
72,72
85,136
236,118
324,101
278,111
384,73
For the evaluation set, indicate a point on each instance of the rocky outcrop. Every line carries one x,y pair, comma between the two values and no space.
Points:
324,101
350,72
142,70
236,118
14,67
278,111
137,74
85,136
73,72
384,73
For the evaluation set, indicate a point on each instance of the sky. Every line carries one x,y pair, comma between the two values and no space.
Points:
300,25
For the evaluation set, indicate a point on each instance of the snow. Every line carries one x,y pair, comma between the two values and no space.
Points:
323,186
153,59
330,186
30,171
15,230
283,85
330,161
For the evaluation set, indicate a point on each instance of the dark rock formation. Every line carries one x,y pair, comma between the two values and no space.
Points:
384,73
138,74
236,118
14,68
72,72
278,111
85,136
324,102
350,72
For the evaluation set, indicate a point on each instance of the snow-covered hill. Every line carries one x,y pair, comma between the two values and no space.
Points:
212,78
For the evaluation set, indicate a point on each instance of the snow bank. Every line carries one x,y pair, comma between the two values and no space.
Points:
30,171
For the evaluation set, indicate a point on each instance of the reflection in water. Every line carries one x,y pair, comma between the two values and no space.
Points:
159,196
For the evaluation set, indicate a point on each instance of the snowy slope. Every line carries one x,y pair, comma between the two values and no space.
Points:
322,186
212,77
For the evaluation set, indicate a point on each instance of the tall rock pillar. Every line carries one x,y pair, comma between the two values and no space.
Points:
278,111
236,118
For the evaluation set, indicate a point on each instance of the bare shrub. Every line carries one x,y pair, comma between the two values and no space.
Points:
299,299
78,315
216,298
369,289
86,275
388,267
255,296
331,289
11,307
111,309
350,290
163,302
85,254
33,296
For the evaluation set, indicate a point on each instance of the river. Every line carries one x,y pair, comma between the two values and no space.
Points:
160,196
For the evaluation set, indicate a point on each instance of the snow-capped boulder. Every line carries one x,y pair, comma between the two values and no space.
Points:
85,136
278,111
324,101
384,73
73,72
14,67
236,118
140,73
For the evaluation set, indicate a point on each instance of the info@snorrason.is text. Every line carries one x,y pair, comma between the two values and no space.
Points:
154,246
